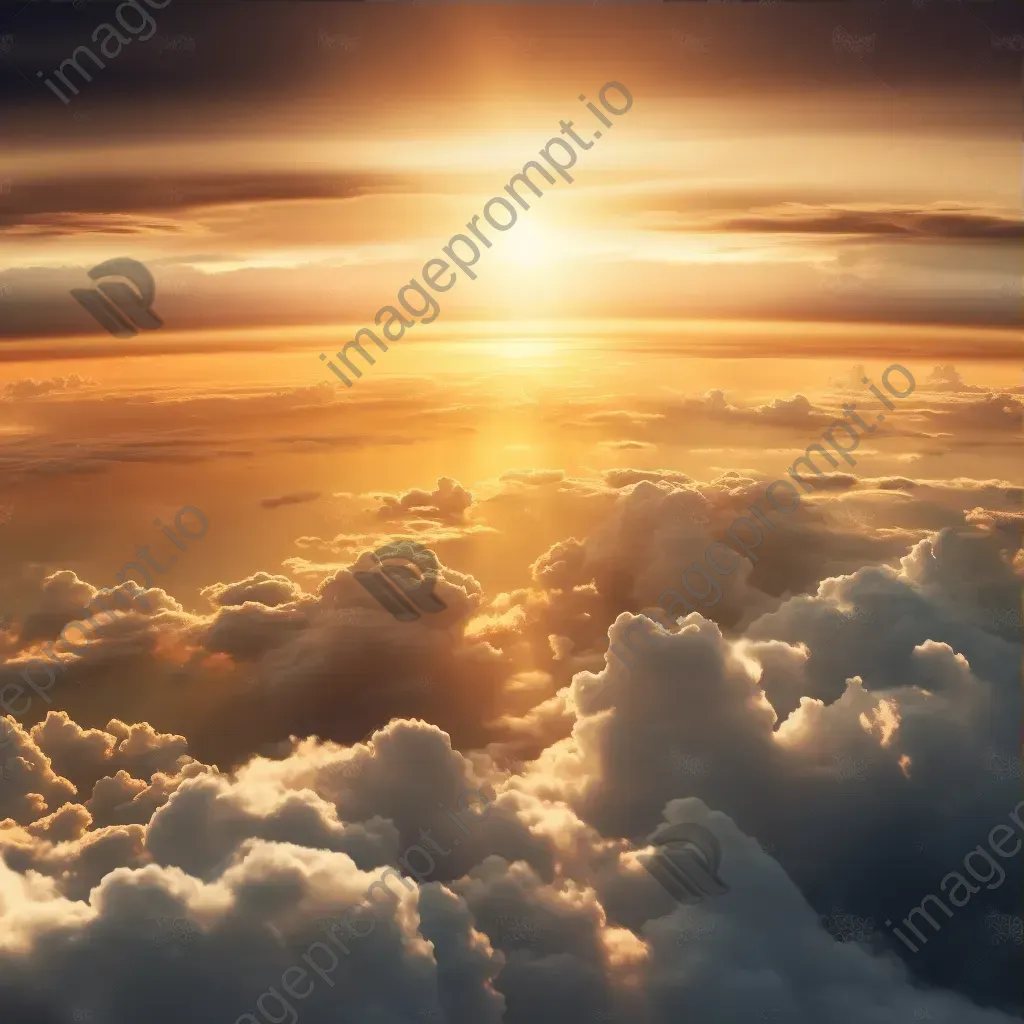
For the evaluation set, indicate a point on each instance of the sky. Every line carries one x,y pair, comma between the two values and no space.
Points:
794,215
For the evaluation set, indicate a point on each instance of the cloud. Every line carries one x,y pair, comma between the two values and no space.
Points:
672,420
253,863
993,414
447,503
535,477
254,859
102,199
79,427
948,378
850,705
27,388
946,221
65,224
292,498
262,588
627,445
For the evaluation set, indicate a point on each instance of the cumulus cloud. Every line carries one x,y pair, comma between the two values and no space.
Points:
224,785
519,910
26,387
262,588
946,377
448,503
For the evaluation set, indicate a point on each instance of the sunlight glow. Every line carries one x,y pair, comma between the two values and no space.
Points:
528,244
519,348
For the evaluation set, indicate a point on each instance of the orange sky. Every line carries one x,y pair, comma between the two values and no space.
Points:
769,212
837,190
801,196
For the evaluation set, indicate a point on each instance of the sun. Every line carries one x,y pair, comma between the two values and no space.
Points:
527,244
526,272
